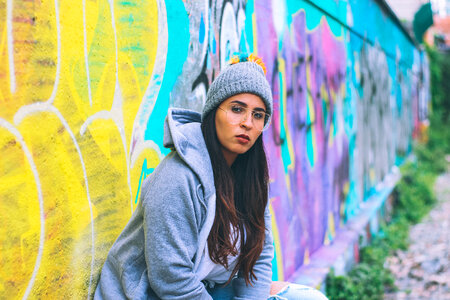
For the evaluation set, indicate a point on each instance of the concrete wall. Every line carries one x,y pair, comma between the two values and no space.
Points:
85,86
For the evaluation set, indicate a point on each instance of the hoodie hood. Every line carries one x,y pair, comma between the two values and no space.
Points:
183,133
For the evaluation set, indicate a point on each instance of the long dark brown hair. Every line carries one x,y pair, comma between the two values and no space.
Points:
241,198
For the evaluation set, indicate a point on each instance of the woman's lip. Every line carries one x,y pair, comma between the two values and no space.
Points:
243,138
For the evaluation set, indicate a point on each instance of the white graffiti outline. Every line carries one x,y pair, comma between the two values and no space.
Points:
116,109
115,114
47,107
113,24
143,146
58,59
103,114
151,94
16,133
228,33
86,59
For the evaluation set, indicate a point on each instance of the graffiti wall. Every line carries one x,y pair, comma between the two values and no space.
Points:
85,87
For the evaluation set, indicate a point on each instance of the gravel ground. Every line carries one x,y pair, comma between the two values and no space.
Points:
423,271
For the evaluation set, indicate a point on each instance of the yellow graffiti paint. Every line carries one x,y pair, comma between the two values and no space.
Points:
4,63
331,232
80,140
306,259
19,215
35,53
290,146
311,110
287,179
152,158
255,34
331,225
276,238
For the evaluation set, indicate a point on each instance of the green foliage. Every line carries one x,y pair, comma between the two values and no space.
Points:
431,155
369,279
413,198
341,287
396,235
414,195
440,83
430,161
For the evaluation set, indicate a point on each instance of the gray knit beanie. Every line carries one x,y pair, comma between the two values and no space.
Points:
241,77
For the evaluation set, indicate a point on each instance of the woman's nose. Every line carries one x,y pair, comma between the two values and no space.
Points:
247,121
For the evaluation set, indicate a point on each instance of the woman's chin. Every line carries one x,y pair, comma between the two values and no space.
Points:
242,149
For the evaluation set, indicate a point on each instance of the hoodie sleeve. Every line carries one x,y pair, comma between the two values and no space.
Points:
262,269
171,234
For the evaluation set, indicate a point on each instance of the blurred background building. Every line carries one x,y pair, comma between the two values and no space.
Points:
439,33
405,9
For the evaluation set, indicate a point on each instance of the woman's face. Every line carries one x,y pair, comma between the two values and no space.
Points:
237,136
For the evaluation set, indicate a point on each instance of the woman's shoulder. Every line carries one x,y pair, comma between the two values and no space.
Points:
172,174
172,166
174,187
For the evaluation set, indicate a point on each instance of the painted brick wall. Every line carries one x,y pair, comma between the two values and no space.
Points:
85,86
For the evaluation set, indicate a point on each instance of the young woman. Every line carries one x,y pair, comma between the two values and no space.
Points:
202,226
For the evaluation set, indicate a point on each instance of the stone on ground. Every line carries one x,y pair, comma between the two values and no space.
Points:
423,271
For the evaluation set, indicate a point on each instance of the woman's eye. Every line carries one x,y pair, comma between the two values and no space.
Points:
258,116
237,109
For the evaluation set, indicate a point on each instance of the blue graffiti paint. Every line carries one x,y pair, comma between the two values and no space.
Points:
377,27
201,34
286,157
314,16
351,206
227,51
274,265
212,38
127,19
249,12
243,43
135,47
177,50
144,174
309,135
127,3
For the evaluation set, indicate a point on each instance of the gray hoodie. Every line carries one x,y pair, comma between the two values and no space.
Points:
158,254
